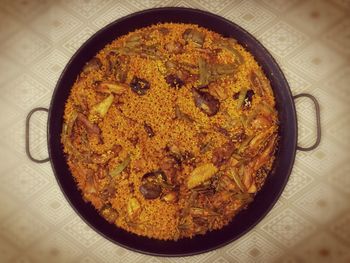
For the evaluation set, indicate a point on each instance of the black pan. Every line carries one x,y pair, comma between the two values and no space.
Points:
264,200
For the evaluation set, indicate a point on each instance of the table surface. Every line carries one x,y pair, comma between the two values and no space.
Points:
311,42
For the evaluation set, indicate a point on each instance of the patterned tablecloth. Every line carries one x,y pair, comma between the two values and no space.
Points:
311,42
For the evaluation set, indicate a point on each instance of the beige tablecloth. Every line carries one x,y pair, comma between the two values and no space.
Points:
311,42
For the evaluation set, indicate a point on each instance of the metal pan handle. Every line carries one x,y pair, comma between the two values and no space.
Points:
27,136
318,122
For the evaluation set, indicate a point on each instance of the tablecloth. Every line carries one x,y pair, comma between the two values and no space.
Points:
311,42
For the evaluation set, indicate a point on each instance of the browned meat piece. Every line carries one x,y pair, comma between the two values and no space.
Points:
104,158
91,128
108,191
170,167
90,185
110,214
174,81
173,47
222,154
194,35
139,86
205,102
256,83
111,87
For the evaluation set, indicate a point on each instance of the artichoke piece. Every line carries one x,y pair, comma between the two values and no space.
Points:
133,207
201,174
120,167
102,108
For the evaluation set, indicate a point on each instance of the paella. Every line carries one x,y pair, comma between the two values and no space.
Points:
170,131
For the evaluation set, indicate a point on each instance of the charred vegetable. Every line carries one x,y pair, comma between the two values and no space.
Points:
148,130
139,86
244,98
178,156
248,98
241,98
174,81
150,190
151,184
